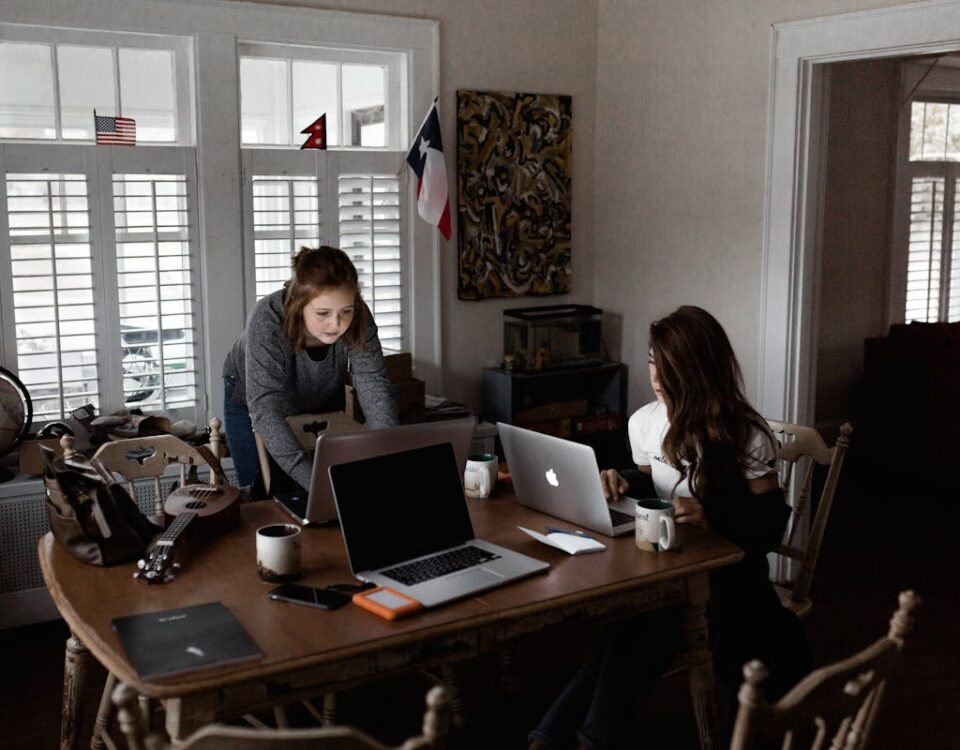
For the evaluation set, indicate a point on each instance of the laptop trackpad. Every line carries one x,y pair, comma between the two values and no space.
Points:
475,578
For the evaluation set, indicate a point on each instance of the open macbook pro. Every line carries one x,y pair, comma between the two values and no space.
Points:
561,478
406,526
317,506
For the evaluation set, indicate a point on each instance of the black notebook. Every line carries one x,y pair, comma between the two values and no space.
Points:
185,639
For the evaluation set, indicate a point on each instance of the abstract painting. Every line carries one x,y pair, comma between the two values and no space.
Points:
514,166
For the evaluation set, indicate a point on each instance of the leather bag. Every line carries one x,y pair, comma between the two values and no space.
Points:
91,516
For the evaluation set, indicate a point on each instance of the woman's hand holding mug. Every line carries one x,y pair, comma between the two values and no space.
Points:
689,510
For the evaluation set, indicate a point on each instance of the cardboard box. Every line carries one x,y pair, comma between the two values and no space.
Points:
409,397
31,459
399,368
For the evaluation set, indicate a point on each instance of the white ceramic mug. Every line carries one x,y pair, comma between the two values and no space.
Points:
656,529
480,474
278,552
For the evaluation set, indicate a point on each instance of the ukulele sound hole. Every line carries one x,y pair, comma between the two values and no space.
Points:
196,505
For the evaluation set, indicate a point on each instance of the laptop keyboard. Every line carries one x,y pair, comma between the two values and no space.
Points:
439,565
619,518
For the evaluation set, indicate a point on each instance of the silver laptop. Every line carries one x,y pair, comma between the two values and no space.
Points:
316,507
561,478
406,526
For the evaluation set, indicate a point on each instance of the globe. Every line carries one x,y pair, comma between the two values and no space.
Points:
16,414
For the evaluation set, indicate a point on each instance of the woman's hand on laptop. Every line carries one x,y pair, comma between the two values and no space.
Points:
614,485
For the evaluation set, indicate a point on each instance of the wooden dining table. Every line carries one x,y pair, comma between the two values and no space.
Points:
308,651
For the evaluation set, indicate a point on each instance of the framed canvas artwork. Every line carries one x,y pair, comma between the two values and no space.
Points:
514,166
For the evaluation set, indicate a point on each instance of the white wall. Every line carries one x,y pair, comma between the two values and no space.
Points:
514,46
683,98
861,144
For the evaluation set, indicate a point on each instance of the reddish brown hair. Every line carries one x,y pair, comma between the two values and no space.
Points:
317,270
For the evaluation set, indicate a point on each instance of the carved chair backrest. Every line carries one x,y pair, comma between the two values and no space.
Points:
149,457
306,428
834,706
801,451
436,723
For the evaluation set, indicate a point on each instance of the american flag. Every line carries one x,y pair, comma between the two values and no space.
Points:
115,131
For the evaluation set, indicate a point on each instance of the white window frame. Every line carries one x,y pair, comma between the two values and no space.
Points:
917,83
182,59
326,168
215,29
99,164
395,104
275,162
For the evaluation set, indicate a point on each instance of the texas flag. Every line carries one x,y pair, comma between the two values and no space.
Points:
426,160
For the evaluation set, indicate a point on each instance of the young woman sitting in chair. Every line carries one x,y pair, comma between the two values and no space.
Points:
701,445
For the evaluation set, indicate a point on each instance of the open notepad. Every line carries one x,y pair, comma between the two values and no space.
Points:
570,543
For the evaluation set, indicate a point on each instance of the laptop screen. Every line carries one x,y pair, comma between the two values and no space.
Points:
400,506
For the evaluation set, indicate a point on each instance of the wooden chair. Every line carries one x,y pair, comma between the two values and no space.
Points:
218,737
148,458
136,459
801,450
839,701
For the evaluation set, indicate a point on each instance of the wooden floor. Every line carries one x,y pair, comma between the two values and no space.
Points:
867,558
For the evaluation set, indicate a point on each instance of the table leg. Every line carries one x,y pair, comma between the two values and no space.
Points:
699,661
186,715
74,676
329,709
509,669
449,680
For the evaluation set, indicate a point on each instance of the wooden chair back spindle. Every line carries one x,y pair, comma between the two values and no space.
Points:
436,724
835,704
803,445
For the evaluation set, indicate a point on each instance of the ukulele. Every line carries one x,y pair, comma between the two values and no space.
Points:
213,508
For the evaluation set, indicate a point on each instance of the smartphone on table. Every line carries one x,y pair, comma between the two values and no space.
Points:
310,596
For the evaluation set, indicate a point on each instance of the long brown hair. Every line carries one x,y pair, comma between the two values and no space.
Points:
711,421
317,270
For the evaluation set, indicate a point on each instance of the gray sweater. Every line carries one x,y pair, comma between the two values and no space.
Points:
276,382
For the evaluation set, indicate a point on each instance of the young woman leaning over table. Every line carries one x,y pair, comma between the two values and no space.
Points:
703,446
293,359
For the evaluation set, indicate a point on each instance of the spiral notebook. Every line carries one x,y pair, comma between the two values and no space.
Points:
173,641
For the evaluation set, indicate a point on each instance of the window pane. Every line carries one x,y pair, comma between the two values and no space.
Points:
264,106
953,303
26,91
86,84
315,92
147,92
369,208
923,250
934,131
154,278
363,105
51,270
285,217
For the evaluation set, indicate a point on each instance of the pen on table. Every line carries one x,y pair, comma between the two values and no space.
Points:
575,532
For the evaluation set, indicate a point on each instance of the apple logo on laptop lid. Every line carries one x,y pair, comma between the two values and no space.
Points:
551,476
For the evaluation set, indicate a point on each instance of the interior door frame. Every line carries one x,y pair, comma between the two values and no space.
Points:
795,168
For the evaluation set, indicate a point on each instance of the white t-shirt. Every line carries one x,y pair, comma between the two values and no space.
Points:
647,429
